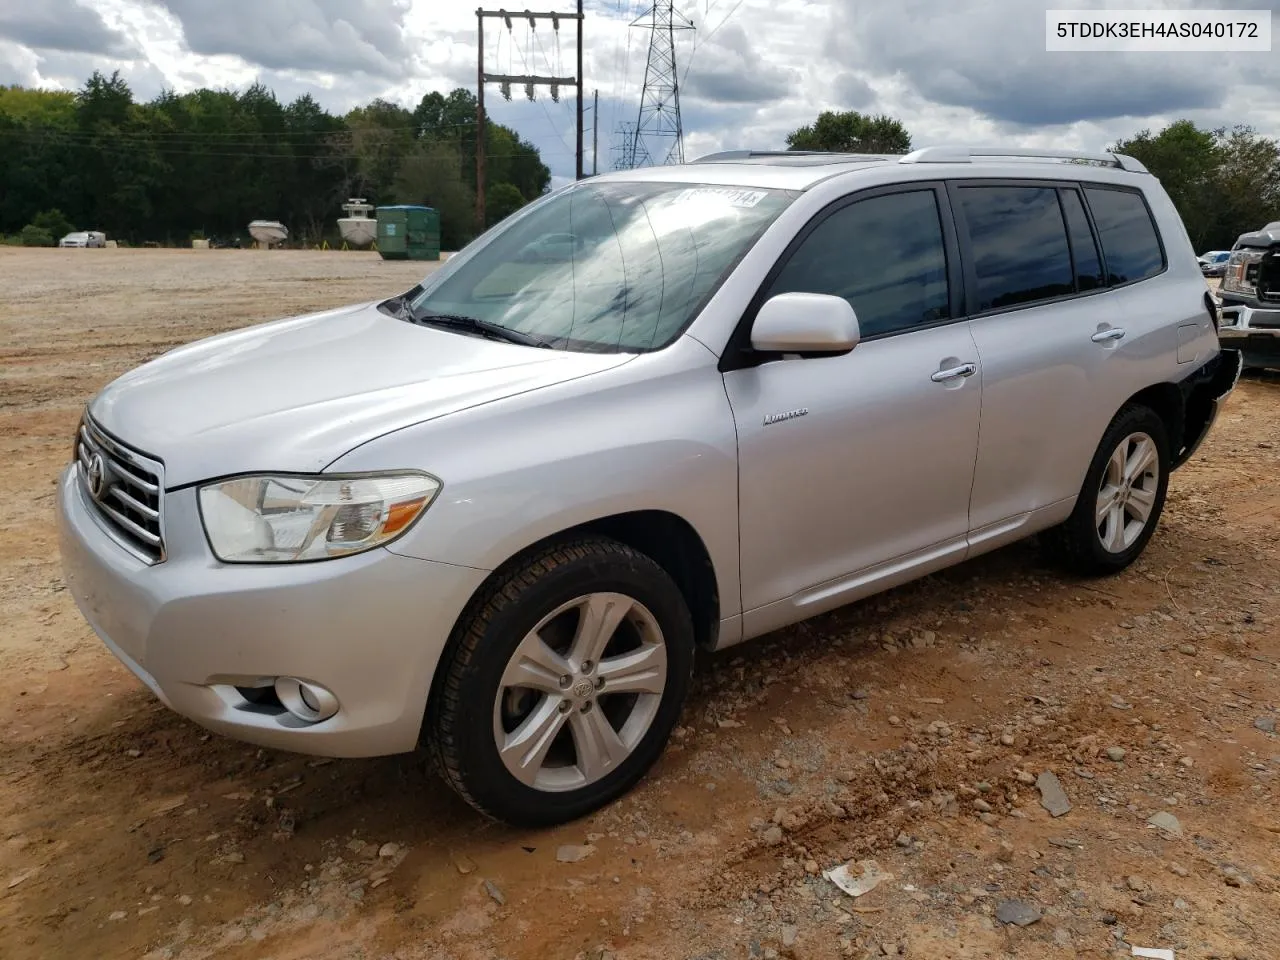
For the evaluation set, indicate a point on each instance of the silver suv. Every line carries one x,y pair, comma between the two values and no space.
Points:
657,410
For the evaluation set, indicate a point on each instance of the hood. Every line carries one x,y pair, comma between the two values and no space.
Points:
1268,236
295,394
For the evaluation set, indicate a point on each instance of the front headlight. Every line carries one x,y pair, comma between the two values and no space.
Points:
282,519
1238,276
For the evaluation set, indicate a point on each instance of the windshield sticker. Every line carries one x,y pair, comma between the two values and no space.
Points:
736,198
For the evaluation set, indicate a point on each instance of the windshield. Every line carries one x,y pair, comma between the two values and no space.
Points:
605,267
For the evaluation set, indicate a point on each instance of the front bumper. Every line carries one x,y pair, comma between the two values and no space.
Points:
370,628
1252,329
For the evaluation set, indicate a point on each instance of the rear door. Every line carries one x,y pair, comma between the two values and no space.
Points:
1059,353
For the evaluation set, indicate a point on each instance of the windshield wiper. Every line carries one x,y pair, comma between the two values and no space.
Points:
457,321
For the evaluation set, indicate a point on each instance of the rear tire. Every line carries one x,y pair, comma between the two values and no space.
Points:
561,683
1120,503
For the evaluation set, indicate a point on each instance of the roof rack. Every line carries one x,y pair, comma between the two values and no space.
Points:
747,154
954,154
752,154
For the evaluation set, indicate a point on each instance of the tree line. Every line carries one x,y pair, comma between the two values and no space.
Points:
1224,181
206,163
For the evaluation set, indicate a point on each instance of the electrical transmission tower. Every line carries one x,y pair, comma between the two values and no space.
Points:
658,131
629,154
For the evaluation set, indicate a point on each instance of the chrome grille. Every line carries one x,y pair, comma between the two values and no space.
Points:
1267,279
126,487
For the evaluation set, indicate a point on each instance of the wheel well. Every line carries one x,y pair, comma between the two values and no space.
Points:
666,538
676,547
669,541
1166,400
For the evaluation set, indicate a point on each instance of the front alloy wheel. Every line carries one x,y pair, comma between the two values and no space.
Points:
580,692
562,682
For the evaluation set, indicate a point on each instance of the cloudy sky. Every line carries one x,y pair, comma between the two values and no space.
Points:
751,71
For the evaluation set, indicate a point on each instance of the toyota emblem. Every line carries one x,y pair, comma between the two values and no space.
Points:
97,476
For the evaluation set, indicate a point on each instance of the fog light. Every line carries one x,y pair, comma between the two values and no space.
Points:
307,701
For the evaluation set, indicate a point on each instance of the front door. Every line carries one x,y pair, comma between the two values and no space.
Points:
850,464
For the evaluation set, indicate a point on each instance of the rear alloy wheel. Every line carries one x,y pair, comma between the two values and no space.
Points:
1122,497
562,682
1130,485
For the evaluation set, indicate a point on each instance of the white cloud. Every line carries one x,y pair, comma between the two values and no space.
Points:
65,25
753,71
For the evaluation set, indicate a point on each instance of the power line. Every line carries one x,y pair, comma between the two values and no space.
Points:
168,149
633,13
197,136
619,75
712,33
547,113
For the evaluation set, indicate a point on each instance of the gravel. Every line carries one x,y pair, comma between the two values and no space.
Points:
1052,797
573,853
1166,822
1017,912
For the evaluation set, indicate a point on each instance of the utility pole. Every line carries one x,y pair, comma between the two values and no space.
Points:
480,133
595,136
529,82
580,89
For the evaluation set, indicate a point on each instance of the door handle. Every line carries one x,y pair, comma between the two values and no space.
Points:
964,370
1112,333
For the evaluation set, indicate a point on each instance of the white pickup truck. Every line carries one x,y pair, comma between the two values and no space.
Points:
1250,295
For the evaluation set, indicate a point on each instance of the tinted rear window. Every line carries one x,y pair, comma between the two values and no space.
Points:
1019,244
1130,243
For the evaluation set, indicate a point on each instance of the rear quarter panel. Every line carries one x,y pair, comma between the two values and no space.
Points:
1181,326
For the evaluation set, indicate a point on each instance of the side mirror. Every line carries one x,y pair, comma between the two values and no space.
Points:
805,323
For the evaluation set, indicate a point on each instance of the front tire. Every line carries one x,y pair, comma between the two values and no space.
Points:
1122,498
562,683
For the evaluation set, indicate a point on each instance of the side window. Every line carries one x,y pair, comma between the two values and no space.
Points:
1019,244
885,255
1129,239
1084,250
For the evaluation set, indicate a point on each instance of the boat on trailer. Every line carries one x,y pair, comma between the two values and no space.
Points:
269,233
358,229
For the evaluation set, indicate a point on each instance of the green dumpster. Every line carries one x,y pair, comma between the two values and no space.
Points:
407,232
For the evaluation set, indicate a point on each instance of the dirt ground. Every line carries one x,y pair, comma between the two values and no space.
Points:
910,729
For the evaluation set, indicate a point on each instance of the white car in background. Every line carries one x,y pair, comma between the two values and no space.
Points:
84,238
